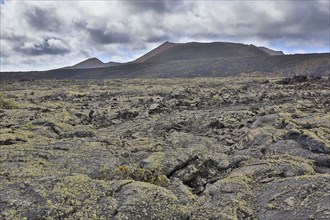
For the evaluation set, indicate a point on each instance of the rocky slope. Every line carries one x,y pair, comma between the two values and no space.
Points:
212,148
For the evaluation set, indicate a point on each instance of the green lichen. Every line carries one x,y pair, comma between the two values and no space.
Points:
137,173
7,103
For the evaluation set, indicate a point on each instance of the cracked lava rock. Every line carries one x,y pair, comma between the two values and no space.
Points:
205,148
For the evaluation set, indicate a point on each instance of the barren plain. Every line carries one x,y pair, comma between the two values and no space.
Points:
203,148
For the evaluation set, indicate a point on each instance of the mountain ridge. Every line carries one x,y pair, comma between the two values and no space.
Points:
193,59
164,47
196,51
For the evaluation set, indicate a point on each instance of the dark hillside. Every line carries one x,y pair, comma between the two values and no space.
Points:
172,60
198,51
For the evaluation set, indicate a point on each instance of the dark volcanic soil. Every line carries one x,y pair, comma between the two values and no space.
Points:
229,148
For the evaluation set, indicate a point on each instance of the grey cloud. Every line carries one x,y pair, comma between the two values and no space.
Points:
43,19
13,37
155,39
49,46
302,22
307,21
159,6
103,36
4,54
80,24
310,18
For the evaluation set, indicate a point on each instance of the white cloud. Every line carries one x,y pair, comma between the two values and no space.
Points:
55,43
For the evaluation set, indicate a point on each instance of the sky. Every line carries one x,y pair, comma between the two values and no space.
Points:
48,34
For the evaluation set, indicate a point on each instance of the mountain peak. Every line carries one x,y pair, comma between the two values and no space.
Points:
92,63
167,42
163,47
93,59
89,63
